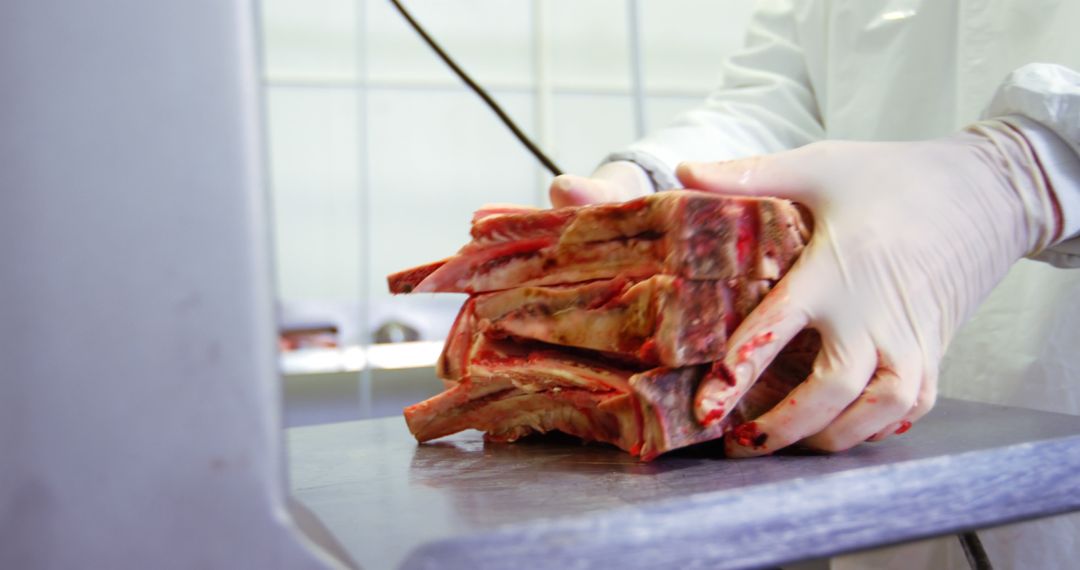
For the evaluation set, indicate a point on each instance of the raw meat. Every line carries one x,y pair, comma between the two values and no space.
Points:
601,321
690,234
510,390
660,320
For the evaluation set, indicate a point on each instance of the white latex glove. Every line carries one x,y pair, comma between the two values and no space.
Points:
908,239
612,182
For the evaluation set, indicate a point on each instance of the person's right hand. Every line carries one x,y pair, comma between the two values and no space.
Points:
617,181
909,238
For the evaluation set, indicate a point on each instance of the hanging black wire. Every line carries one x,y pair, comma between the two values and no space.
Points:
974,551
539,154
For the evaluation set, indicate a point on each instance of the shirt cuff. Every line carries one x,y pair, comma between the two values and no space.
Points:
1061,168
660,174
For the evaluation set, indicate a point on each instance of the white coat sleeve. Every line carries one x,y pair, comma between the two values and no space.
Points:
764,104
1046,98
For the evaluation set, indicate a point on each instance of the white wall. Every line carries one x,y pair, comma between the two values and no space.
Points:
379,155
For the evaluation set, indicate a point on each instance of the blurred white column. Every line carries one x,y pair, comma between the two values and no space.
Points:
541,32
140,402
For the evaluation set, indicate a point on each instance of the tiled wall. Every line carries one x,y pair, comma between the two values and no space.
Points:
379,155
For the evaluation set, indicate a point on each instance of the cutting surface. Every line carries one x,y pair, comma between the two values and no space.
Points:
554,502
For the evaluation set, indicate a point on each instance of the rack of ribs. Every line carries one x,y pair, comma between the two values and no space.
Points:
600,321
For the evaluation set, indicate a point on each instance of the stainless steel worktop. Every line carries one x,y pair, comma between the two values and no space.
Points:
555,503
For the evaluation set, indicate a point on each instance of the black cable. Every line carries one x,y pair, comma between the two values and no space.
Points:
539,154
974,551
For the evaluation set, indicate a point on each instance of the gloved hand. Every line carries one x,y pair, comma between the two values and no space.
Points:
908,239
617,181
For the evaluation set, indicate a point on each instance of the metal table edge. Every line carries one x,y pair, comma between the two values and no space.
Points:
766,525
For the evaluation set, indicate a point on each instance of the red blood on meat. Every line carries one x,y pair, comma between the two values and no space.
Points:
648,352
747,350
744,242
747,435
749,235
904,426
713,416
719,370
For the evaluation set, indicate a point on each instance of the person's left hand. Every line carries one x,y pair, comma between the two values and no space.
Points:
908,239
617,181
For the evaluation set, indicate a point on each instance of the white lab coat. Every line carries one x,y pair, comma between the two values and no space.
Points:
910,70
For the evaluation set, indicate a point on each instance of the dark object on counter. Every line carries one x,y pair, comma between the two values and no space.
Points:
395,331
297,336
